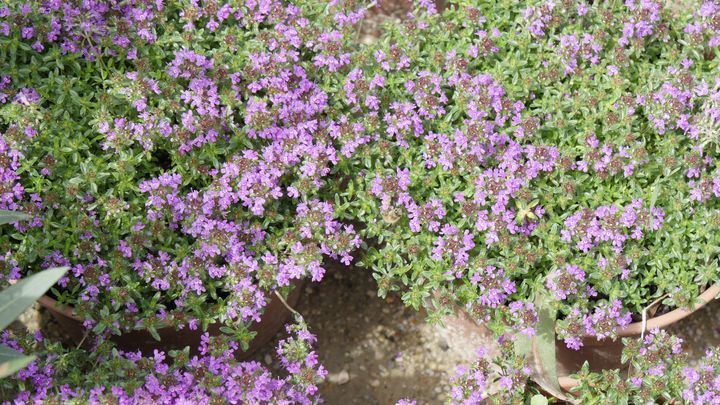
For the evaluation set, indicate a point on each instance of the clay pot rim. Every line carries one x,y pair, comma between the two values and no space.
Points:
52,304
660,322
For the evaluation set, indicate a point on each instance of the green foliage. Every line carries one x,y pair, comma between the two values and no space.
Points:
14,300
644,153
7,217
539,349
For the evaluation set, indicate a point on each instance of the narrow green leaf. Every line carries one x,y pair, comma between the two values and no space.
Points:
539,350
16,298
12,361
153,332
654,197
7,217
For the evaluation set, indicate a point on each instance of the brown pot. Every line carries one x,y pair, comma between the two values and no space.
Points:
600,355
273,319
605,354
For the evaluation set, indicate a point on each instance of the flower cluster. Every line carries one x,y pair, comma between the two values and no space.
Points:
543,150
90,29
608,160
601,323
201,167
655,372
565,281
494,288
572,49
454,245
704,27
611,224
129,378
643,20
703,380
484,382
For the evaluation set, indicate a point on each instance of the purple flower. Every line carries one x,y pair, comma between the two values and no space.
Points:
566,281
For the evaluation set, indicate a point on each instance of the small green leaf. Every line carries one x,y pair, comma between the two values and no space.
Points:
153,332
538,399
16,298
7,217
12,361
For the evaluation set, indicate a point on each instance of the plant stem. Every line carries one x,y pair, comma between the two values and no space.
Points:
87,332
280,297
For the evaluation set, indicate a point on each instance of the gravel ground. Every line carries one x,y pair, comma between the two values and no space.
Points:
700,330
378,351
384,11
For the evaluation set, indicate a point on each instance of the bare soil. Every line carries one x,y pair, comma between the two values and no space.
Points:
376,350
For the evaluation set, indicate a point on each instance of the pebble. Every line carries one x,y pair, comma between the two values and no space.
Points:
339,378
368,39
396,373
268,359
375,383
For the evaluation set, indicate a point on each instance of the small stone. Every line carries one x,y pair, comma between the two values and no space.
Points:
339,378
267,359
368,39
375,383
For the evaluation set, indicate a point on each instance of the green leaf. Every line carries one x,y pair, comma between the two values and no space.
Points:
7,217
538,399
153,332
539,350
12,361
16,298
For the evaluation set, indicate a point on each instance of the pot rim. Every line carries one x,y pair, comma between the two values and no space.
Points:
51,304
659,322
662,321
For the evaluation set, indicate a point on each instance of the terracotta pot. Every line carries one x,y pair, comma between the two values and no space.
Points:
606,354
273,319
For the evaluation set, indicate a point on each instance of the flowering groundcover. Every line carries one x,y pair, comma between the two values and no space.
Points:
563,149
187,159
